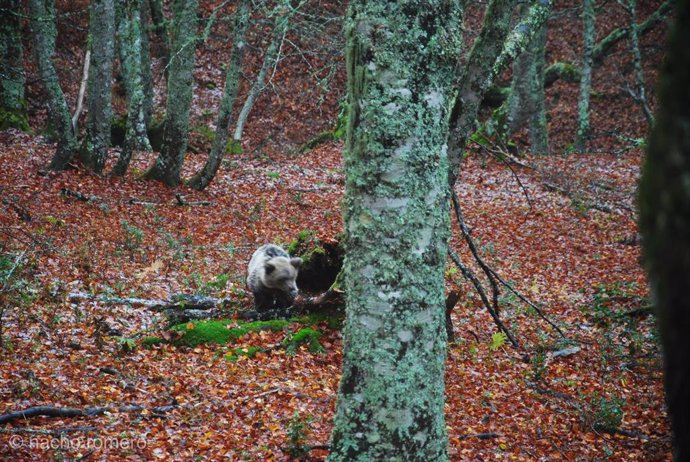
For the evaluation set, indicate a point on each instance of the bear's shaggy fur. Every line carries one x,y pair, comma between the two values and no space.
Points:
271,276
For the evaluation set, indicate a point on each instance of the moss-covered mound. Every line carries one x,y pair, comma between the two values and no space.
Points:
321,261
222,331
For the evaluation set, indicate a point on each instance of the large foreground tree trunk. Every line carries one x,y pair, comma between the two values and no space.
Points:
94,151
401,60
44,28
179,92
665,225
232,83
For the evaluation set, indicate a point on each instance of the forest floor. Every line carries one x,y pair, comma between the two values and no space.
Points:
564,235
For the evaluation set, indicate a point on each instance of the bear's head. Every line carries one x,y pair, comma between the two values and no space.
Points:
280,273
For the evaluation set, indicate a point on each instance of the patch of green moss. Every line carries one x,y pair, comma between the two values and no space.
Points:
306,336
151,341
201,332
13,119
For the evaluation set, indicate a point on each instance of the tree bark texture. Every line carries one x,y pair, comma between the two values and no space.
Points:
94,150
526,102
589,35
401,62
665,225
146,73
476,78
179,93
12,102
129,35
232,83
44,29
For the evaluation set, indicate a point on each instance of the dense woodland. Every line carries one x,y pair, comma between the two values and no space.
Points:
489,199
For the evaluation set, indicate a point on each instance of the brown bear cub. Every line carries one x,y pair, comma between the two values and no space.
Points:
271,277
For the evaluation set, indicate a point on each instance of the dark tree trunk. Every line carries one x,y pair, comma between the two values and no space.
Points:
94,150
12,102
665,225
44,28
180,85
129,35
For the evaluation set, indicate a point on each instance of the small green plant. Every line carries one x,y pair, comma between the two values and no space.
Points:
498,340
126,344
307,336
603,414
133,236
297,433
273,175
538,366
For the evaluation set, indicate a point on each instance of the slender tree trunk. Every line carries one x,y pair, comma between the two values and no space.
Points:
589,35
12,102
665,224
280,27
129,39
401,60
476,78
526,102
94,150
44,29
180,84
639,94
232,82
146,74
160,28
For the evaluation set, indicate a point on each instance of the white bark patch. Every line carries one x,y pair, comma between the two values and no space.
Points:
386,296
421,437
391,108
380,308
434,99
378,205
405,335
423,241
424,317
403,92
395,419
370,323
367,272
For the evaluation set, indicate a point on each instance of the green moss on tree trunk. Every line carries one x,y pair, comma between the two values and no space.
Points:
401,65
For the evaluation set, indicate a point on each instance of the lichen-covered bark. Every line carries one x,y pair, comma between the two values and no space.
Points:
665,225
401,60
476,78
179,94
94,150
526,102
146,75
44,29
12,102
129,35
232,83
589,33
280,27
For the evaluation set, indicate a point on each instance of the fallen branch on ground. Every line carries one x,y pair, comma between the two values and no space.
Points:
51,411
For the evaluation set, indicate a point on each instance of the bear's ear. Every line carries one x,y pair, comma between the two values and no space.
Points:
269,267
296,262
